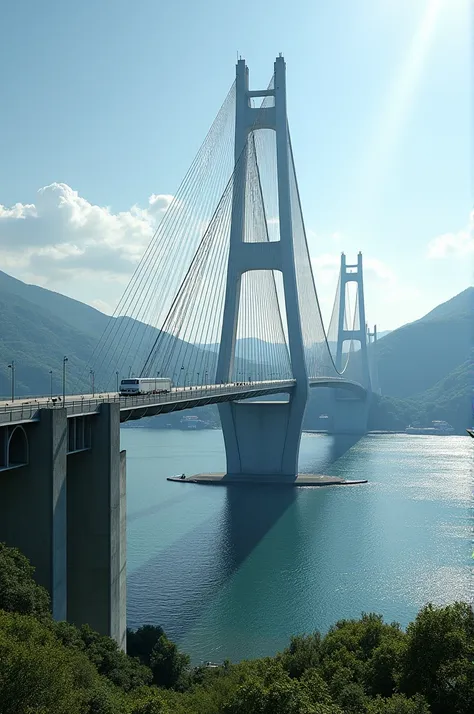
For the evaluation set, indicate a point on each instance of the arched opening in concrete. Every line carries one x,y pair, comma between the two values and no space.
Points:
17,448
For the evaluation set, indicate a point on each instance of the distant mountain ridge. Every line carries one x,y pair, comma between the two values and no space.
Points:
38,327
418,355
424,361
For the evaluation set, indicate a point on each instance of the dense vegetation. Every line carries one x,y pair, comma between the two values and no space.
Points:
360,666
419,355
449,399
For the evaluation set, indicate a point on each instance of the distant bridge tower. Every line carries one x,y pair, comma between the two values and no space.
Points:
351,413
262,438
373,361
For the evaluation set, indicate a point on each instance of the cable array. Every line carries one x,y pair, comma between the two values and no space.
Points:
168,323
186,347
125,343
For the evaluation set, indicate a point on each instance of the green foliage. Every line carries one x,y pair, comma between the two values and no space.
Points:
398,704
274,693
301,654
36,673
362,666
167,663
439,661
140,642
123,671
18,591
416,356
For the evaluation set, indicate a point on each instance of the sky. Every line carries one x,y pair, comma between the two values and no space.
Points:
105,104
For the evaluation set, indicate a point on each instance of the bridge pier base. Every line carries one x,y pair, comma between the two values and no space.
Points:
96,534
262,438
33,512
349,416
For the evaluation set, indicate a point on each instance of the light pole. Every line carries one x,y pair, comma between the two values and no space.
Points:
12,367
117,380
92,380
51,383
65,359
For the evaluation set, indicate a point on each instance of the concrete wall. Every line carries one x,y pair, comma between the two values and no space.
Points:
261,437
66,513
33,505
96,540
349,416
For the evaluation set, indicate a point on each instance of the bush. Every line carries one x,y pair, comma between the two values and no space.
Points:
38,674
18,591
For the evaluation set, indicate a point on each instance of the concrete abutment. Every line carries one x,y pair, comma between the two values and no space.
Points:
66,513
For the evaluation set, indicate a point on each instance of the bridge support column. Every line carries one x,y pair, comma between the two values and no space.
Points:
349,415
262,438
33,505
96,540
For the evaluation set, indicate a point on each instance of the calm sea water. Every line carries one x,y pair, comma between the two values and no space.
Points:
233,572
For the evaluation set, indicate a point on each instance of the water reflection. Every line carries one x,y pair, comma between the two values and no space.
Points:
217,546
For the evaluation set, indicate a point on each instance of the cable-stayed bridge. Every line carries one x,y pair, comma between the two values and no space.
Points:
224,304
225,293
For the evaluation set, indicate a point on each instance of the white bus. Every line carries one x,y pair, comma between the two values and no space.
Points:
145,385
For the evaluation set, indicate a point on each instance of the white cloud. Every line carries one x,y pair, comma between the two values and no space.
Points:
453,245
63,235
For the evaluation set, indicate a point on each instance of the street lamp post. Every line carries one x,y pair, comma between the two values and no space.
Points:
65,359
93,382
12,367
117,380
51,383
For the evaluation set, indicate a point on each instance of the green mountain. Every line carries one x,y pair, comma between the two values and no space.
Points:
417,356
71,312
38,327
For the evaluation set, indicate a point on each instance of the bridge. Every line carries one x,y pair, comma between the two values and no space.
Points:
224,303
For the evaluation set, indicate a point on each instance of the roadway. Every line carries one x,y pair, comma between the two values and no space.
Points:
179,398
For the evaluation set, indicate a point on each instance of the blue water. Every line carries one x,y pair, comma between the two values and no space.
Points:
233,572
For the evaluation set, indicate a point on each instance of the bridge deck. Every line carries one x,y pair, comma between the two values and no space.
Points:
131,408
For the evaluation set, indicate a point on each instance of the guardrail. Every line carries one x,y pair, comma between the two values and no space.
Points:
28,410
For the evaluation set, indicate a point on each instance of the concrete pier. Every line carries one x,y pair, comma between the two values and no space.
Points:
96,533
33,505
62,503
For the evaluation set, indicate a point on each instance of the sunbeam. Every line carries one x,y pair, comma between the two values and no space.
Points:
399,103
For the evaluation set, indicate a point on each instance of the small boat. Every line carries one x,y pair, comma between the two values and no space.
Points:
177,477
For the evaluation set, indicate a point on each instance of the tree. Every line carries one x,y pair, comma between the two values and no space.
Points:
123,671
18,591
398,704
38,674
439,659
301,654
384,667
140,642
167,663
273,693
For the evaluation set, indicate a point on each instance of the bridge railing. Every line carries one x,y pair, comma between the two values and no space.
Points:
85,404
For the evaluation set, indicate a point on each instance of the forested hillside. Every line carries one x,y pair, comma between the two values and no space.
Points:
363,666
417,356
